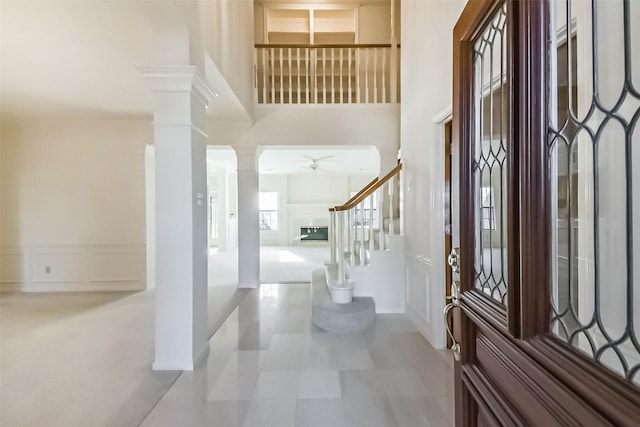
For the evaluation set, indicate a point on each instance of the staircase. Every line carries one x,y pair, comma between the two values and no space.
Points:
367,244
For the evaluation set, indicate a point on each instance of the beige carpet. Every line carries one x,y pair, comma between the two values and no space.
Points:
278,264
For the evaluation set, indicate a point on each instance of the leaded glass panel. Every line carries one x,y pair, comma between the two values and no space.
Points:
490,158
594,157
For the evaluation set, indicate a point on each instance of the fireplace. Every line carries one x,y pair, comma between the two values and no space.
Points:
314,233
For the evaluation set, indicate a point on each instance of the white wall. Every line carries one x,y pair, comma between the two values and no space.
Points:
426,69
374,23
73,205
227,31
377,125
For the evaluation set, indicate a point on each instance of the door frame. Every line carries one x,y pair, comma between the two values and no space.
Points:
511,368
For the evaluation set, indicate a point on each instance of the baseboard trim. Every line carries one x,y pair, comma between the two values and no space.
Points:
172,366
389,310
74,287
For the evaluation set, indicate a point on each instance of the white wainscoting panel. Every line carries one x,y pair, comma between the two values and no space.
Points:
56,265
52,268
419,290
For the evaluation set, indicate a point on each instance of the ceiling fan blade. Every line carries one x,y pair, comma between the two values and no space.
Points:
325,157
318,159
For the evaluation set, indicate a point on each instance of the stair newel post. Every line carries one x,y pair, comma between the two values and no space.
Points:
371,242
332,235
381,243
390,184
340,221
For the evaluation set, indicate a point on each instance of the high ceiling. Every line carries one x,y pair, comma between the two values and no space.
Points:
292,160
80,59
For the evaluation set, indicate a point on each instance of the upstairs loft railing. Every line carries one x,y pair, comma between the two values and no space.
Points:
366,222
327,74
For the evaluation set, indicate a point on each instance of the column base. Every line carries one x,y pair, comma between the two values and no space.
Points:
183,366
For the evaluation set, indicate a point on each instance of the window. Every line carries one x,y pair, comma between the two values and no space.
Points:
369,204
268,210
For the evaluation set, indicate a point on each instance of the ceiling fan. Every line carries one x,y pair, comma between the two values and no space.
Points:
315,164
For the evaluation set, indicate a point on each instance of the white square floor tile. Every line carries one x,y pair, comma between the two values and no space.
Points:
319,384
234,386
361,384
320,413
285,341
271,413
419,412
376,412
277,385
403,383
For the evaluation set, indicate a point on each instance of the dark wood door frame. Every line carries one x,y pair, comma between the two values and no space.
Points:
512,371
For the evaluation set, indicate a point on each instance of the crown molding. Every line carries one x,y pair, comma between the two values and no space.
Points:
184,78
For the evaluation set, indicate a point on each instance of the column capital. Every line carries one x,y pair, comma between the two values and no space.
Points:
180,78
247,156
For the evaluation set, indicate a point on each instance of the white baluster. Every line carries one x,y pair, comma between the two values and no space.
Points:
349,65
341,271
366,76
333,86
273,76
391,207
264,75
380,195
351,240
375,75
324,75
298,60
306,60
384,78
371,242
362,218
341,90
332,236
289,72
358,71
316,74
401,200
281,76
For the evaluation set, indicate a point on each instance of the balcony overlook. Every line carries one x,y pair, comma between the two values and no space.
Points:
327,54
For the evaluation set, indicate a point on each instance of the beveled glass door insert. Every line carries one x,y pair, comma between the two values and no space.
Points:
490,158
594,154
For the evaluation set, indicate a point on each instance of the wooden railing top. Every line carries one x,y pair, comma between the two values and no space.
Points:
355,201
355,196
320,46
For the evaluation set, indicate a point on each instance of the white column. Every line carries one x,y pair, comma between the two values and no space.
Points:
181,94
248,226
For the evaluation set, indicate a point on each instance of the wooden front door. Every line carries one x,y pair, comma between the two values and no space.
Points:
546,111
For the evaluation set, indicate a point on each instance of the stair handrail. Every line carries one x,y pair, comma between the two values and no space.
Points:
368,190
355,196
342,217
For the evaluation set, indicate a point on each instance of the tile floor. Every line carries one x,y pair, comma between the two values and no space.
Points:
268,366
